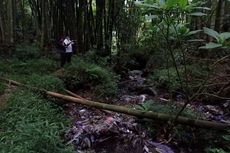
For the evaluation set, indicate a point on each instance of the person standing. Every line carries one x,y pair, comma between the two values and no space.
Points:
68,49
61,48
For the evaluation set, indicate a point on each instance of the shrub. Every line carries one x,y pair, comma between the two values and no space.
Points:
31,124
83,74
26,51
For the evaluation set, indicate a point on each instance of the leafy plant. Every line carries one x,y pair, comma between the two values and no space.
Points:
221,39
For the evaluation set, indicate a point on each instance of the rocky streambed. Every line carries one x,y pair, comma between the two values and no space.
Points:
101,131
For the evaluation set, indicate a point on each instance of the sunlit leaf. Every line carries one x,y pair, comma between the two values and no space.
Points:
196,40
183,3
203,8
155,6
210,45
197,14
193,32
183,30
171,3
225,35
226,137
150,17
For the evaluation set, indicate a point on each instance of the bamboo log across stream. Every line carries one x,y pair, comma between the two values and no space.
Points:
130,111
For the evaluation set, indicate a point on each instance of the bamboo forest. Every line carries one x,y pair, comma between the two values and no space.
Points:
115,76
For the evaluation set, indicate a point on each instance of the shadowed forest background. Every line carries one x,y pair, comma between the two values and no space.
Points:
158,72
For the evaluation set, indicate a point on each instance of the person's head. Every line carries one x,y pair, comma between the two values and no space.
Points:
67,37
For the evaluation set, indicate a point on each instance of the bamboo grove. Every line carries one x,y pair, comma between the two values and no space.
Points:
89,22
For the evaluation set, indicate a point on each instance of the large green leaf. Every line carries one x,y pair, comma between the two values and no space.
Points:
155,5
171,3
225,35
211,33
183,3
210,45
193,32
202,8
150,17
197,14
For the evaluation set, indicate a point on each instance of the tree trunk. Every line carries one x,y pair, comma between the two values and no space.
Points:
110,25
10,22
220,15
99,26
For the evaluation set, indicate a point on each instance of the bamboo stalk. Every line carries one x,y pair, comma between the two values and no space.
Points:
130,111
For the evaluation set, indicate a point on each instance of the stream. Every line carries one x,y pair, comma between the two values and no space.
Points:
100,131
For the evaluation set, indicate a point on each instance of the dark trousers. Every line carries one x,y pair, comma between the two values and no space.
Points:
65,58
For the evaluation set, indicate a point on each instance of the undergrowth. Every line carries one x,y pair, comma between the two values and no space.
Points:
2,88
101,81
168,78
47,82
31,124
27,51
170,109
27,67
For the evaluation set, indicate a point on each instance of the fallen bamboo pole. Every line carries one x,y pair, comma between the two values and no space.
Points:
130,111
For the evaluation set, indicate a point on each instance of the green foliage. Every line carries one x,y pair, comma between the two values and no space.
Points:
31,124
223,139
221,39
167,78
39,66
48,82
26,51
93,57
5,66
2,88
83,74
215,150
170,108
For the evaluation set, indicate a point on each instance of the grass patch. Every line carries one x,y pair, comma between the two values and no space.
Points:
31,124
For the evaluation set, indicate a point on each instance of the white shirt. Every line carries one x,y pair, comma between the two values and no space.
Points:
69,48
